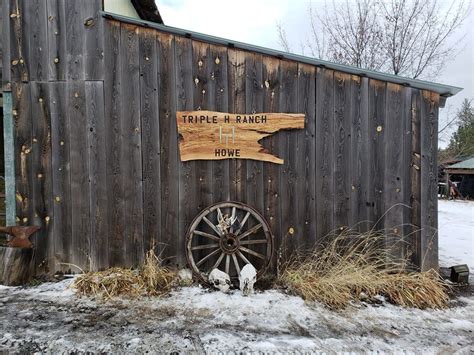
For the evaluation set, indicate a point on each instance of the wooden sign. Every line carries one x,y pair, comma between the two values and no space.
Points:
208,135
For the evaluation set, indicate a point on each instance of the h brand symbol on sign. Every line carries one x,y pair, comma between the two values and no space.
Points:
226,136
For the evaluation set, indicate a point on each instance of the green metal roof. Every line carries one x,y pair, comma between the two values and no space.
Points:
443,90
465,164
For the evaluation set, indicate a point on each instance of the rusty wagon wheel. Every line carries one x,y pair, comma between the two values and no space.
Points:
227,236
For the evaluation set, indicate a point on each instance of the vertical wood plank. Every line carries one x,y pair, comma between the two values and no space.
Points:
219,101
324,152
79,178
149,109
35,14
202,174
75,37
271,172
393,195
360,157
19,30
429,180
377,128
185,96
288,151
23,143
406,171
99,229
130,144
113,114
60,144
93,26
56,56
169,158
41,170
306,162
415,179
237,167
342,149
254,104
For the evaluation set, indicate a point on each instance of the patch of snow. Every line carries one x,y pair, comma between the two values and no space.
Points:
456,233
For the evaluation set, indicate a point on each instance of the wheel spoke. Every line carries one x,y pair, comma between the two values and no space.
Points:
257,241
243,222
251,252
207,257
218,261
236,263
209,223
251,231
232,216
227,264
243,257
207,235
206,246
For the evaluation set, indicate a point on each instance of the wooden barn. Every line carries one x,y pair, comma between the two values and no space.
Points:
94,106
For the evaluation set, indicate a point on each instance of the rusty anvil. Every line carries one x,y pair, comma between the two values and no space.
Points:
20,234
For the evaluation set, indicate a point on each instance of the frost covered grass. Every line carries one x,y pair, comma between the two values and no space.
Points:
152,279
354,266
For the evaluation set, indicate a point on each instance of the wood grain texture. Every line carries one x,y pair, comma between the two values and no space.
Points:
96,138
187,172
429,180
60,143
113,112
253,104
42,174
415,251
219,101
324,152
56,27
130,145
236,90
289,152
393,195
149,114
169,149
35,15
218,134
79,170
306,162
342,149
377,139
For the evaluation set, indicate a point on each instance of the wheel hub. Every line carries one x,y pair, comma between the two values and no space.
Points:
229,243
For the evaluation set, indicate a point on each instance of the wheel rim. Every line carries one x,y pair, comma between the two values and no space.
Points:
227,236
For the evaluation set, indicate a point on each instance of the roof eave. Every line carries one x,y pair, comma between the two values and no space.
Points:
444,91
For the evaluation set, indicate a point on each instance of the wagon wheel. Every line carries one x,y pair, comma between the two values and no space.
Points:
227,236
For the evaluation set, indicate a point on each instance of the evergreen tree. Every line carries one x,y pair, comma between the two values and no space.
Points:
462,141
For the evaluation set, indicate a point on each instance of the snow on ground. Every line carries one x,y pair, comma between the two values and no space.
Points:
51,318
456,233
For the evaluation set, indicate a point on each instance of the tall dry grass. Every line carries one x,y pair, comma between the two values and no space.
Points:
152,279
354,266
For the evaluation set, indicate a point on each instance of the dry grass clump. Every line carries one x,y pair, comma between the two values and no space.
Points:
354,266
152,279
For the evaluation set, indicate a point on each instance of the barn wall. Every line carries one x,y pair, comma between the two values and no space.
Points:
97,161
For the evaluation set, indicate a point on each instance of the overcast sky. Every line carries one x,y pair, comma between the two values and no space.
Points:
254,22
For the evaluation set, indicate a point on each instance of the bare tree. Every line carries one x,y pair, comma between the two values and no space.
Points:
403,37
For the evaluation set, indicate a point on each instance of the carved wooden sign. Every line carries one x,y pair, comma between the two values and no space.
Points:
208,135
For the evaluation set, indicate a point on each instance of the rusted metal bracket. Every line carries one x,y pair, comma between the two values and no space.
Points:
21,235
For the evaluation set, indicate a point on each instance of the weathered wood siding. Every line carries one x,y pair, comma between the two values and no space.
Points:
97,146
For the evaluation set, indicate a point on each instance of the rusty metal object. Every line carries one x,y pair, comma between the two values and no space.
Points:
20,234
227,236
